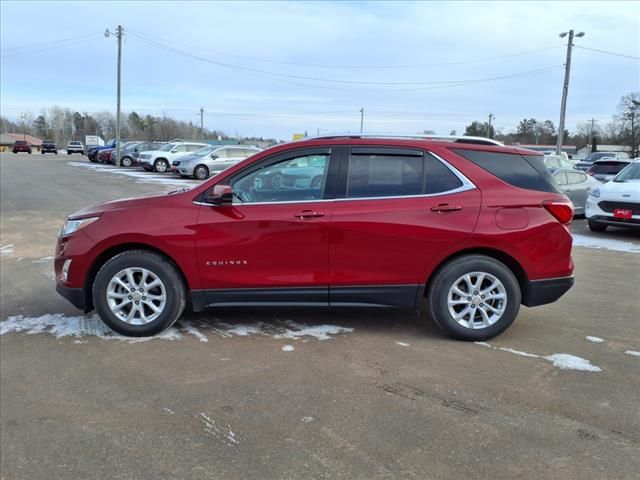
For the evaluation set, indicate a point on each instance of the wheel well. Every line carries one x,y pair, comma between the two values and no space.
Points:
112,252
160,158
509,261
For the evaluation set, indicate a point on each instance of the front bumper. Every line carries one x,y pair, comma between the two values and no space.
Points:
542,292
76,296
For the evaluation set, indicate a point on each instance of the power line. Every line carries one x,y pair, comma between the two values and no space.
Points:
434,84
354,67
51,47
608,53
46,44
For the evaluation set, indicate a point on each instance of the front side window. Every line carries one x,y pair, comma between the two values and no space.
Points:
561,178
168,147
295,179
180,148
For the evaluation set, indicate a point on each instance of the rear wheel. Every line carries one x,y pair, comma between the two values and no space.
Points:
474,297
139,293
125,161
161,165
596,227
201,172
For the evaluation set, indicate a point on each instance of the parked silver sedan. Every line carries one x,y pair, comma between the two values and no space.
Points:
576,185
209,161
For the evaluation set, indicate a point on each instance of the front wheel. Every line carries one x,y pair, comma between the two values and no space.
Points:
201,172
474,297
161,165
138,293
125,161
596,227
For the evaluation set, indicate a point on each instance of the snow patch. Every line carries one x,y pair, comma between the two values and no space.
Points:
594,339
61,325
43,260
225,435
6,250
288,348
604,243
402,344
320,332
633,353
169,411
563,361
307,419
137,175
571,362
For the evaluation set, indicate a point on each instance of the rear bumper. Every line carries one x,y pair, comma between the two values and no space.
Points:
75,295
542,292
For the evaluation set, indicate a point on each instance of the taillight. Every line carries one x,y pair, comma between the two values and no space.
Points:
561,211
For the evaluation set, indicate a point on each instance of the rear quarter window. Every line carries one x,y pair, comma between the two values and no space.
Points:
522,171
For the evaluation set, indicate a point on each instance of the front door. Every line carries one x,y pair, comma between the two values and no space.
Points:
400,210
271,245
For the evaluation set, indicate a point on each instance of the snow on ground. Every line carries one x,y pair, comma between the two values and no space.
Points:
288,348
633,353
138,175
594,339
91,326
563,361
604,243
6,250
402,344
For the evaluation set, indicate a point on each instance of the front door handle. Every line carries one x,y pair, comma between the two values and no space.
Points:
445,207
309,214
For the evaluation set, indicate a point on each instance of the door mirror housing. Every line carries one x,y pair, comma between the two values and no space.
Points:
608,178
220,195
213,156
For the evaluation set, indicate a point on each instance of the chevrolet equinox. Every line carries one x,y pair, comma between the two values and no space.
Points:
465,226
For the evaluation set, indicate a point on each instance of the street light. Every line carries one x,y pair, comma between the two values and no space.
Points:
565,88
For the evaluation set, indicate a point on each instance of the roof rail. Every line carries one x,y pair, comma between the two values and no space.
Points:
444,138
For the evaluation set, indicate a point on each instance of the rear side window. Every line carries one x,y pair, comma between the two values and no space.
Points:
522,171
384,176
438,177
576,177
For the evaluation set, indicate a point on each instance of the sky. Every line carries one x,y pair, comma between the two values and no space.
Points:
273,69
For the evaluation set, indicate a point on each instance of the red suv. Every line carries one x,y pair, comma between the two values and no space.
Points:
21,146
472,227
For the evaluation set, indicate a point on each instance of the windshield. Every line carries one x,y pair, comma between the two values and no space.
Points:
631,173
607,168
598,155
203,152
167,147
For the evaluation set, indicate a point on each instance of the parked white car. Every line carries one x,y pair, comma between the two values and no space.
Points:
75,147
160,160
209,162
616,203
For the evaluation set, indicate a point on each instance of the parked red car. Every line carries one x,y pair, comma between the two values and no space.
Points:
21,146
473,228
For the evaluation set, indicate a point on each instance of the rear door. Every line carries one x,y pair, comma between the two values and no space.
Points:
397,210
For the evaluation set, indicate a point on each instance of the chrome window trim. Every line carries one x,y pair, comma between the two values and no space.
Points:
466,186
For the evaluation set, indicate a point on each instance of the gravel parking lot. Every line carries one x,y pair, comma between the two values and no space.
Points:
300,393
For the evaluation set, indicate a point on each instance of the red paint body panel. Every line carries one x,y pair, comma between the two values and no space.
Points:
393,241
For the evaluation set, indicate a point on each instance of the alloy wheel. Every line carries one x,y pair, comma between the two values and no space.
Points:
136,296
477,300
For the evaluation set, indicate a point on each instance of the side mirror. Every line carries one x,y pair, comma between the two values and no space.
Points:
213,156
608,178
220,195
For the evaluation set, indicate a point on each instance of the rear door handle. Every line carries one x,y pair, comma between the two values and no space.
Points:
305,214
445,207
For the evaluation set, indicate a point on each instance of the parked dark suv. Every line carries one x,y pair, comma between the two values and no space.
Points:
21,146
49,146
470,228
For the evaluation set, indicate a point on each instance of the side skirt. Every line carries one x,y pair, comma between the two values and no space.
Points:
385,296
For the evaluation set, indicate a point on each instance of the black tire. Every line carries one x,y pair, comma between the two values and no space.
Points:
68,152
444,279
56,152
596,227
42,152
158,265
201,172
161,165
126,161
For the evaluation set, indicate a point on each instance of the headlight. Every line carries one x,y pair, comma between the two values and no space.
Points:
72,226
595,192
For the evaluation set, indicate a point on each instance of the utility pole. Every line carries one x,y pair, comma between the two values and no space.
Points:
23,117
201,123
565,87
361,119
489,125
119,33
593,120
